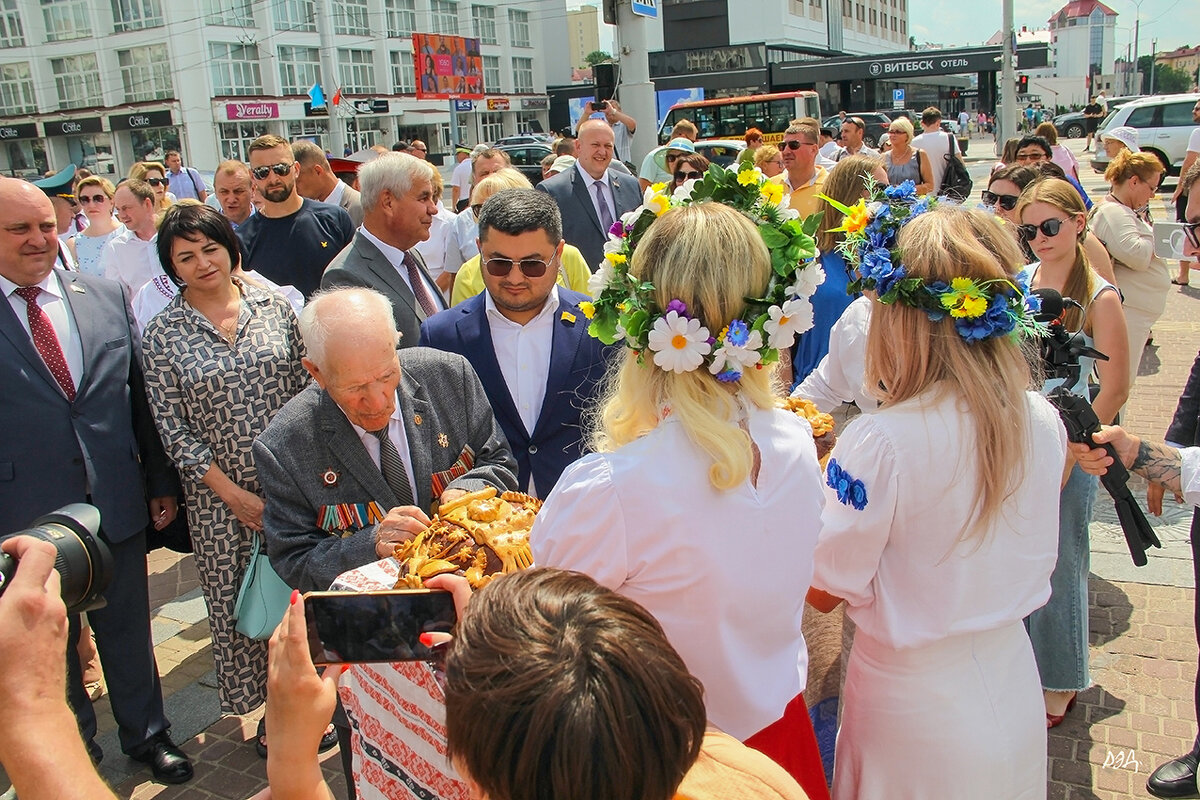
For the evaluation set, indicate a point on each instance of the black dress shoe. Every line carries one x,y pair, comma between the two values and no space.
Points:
1175,778
167,761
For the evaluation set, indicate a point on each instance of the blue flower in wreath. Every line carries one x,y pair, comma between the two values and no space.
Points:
905,191
998,320
850,490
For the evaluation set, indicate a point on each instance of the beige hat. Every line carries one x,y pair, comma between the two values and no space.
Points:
562,163
1125,135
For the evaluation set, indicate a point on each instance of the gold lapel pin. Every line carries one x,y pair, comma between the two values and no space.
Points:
417,418
443,440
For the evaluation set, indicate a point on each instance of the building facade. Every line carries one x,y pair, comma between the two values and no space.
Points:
1083,39
1182,58
583,34
105,83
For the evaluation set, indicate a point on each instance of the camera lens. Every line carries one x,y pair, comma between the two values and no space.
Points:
82,559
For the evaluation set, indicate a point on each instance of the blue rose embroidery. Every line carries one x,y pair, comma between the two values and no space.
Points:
850,490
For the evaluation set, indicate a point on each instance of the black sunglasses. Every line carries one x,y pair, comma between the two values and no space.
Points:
530,267
795,144
280,169
1049,227
681,175
157,181
1192,231
1006,201
99,198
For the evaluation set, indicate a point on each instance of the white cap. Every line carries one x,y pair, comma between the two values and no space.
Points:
562,163
1125,135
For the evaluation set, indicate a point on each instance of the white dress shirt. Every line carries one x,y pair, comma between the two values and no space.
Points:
433,249
1189,474
53,301
399,438
334,198
130,260
589,183
395,257
461,246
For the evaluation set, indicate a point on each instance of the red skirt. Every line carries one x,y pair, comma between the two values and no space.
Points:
791,743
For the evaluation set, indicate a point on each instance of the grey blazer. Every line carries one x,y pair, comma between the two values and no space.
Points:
310,460
352,202
362,264
581,226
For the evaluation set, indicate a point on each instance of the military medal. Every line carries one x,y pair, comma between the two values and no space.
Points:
329,477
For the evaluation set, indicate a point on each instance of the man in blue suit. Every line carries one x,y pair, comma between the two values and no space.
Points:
526,337
77,428
590,195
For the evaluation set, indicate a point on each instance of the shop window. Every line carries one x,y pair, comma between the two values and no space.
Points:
151,144
315,130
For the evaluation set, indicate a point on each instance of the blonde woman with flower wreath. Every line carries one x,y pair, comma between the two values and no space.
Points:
940,524
702,500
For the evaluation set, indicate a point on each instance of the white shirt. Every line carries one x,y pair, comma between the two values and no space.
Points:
53,301
395,257
399,438
622,140
907,578
130,260
461,246
1193,145
461,177
433,249
335,196
645,521
829,149
936,145
1189,474
589,183
523,352
839,377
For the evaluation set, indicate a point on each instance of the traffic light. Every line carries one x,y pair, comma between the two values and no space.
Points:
1022,84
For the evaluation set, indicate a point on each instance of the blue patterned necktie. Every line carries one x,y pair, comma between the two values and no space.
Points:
392,467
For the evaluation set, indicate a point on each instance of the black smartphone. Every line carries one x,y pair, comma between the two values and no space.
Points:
383,626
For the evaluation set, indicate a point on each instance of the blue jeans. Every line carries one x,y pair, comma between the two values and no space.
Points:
1059,629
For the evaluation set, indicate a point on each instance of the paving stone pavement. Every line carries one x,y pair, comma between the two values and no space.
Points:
1143,646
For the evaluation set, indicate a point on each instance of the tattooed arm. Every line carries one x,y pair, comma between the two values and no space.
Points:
1154,461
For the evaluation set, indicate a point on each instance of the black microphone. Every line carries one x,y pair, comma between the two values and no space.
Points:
1052,305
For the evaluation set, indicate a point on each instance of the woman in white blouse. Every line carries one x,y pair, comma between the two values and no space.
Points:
702,500
940,532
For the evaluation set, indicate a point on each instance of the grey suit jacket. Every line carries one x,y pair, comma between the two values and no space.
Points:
352,202
310,459
54,452
362,264
581,226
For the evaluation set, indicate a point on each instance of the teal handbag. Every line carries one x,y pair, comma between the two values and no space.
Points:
263,598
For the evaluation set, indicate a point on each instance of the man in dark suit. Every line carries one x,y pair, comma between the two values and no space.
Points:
591,196
77,429
526,337
398,208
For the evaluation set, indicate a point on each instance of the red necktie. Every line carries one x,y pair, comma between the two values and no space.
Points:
424,299
46,341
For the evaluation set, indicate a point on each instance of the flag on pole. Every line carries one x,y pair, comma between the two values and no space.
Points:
317,96
337,97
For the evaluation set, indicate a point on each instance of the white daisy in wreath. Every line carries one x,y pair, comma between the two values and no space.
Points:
679,344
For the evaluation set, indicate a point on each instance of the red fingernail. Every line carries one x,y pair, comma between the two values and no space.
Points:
345,669
426,639
295,596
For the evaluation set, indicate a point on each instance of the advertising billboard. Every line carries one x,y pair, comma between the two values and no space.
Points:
448,67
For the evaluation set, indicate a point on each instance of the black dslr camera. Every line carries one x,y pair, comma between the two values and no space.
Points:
83,560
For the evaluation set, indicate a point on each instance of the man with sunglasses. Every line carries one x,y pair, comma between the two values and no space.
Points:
398,211
802,176
292,239
526,337
852,131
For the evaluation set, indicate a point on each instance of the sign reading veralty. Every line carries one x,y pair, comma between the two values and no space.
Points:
71,127
236,111
137,120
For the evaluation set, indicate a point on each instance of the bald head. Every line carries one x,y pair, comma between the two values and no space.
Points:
28,232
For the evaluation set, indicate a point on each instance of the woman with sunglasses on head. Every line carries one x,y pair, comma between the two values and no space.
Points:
1053,224
95,194
769,160
154,174
904,162
1122,223
688,167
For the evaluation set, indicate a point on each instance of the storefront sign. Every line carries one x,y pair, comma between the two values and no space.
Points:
371,106
72,127
535,103
25,130
464,105
497,104
309,111
140,119
238,111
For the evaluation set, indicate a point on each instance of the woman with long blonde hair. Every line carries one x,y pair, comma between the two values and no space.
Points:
939,526
1053,225
694,474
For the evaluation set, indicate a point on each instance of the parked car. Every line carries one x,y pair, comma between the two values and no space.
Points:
1072,126
877,125
907,113
527,158
524,138
721,151
1163,123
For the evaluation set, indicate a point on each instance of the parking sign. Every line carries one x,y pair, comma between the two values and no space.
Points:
897,98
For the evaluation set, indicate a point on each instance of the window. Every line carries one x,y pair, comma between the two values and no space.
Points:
518,23
483,24
861,14
522,74
404,80
235,137
16,90
401,18
445,16
234,13
491,74
847,8
356,70
146,73
299,68
315,130
235,68
350,17
12,32
363,132
66,19
133,15
295,15
491,127
77,79
1178,115
874,16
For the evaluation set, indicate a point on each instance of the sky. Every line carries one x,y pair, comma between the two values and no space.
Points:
962,22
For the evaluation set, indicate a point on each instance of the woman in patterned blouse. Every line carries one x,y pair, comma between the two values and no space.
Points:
220,361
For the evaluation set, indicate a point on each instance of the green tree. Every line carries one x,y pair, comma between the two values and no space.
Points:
1167,79
596,57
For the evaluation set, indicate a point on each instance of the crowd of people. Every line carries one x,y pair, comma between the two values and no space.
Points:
321,352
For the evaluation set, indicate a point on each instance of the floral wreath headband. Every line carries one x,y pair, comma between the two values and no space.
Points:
981,309
625,309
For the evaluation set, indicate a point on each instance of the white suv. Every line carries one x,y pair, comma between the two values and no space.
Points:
1163,123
